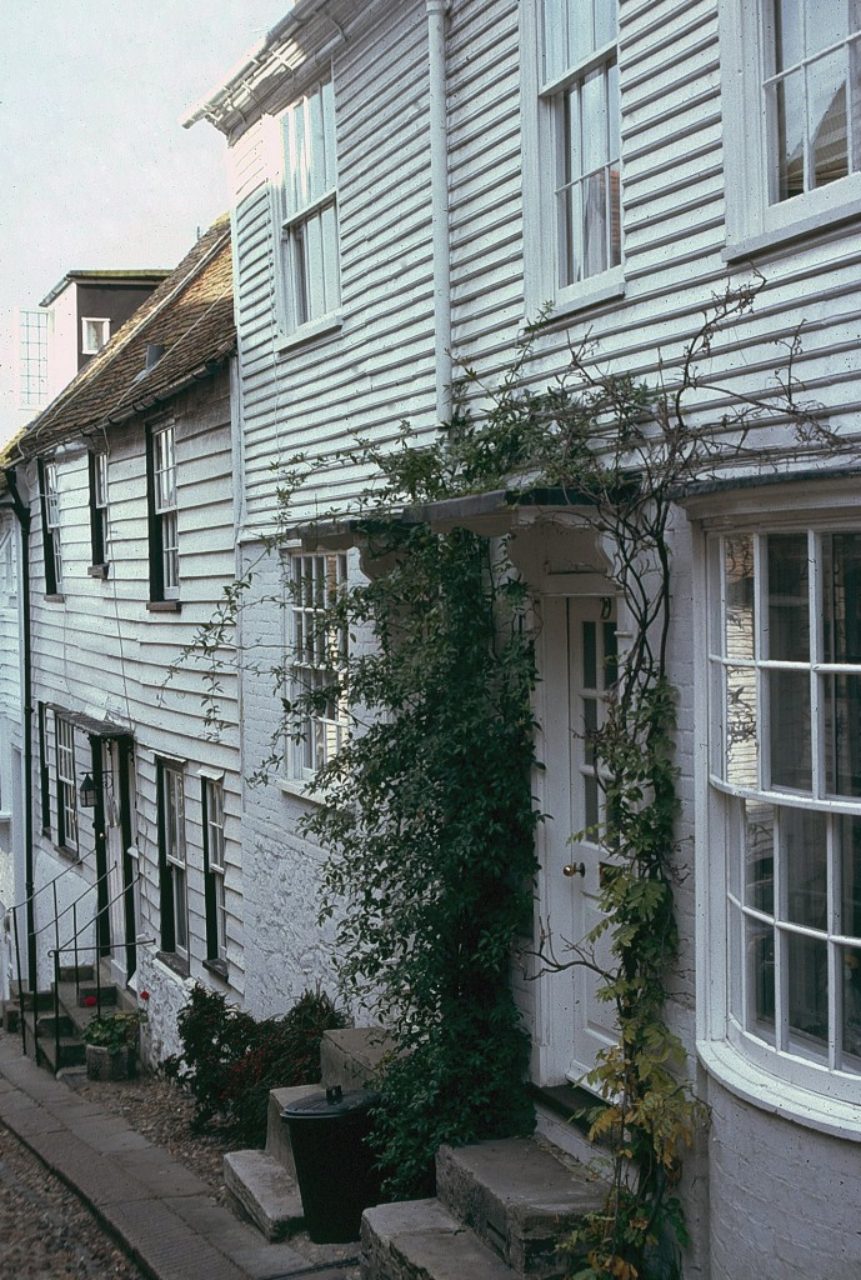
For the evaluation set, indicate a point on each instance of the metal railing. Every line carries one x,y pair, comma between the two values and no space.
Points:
73,945
76,948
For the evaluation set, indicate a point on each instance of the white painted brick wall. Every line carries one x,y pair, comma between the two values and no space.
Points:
785,1200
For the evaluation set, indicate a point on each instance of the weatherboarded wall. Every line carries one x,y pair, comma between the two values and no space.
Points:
101,652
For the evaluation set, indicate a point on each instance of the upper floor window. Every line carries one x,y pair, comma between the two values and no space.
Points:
318,650
99,510
581,89
33,359
793,117
163,533
310,257
785,672
51,545
95,333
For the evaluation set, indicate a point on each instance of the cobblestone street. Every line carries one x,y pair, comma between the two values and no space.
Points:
45,1231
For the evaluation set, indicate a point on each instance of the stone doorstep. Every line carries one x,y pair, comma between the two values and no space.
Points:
351,1057
261,1189
518,1198
419,1240
277,1132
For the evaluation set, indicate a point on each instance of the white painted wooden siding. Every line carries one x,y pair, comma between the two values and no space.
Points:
102,652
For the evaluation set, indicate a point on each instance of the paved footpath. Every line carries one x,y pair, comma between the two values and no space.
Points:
160,1212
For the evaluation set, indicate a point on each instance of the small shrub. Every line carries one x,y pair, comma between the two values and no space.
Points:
229,1061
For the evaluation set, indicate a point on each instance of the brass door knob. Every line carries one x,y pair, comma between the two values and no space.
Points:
574,869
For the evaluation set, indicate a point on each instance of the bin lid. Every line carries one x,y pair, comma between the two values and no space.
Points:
323,1106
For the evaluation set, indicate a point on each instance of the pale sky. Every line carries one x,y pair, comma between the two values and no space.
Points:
97,171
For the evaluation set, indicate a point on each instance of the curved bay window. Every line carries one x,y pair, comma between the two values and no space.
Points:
785,756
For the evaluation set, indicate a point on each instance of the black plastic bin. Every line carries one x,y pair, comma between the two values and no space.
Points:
334,1164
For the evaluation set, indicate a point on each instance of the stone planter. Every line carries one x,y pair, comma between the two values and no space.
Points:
111,1064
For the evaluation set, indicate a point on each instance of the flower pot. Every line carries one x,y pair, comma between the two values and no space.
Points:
111,1064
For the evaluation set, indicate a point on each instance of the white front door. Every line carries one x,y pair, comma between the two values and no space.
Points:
579,668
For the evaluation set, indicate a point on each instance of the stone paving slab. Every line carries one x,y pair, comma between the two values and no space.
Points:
165,1245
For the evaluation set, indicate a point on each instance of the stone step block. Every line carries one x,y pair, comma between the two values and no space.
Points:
352,1056
420,1240
519,1197
262,1190
277,1132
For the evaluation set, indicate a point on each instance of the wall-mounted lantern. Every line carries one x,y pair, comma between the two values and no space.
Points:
87,793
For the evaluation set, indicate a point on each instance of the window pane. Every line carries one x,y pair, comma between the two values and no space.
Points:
788,38
787,102
314,266
605,21
788,615
789,707
593,105
851,978
741,745
849,835
760,979
738,571
180,909
595,259
611,655
330,164
843,735
807,965
827,24
804,860
555,38
735,927
841,559
759,856
826,107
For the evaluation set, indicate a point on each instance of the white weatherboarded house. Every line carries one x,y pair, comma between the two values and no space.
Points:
129,475
415,179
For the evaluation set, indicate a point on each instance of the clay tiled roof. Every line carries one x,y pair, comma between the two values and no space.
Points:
189,315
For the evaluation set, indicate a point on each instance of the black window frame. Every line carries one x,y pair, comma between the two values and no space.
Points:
216,953
53,578
167,898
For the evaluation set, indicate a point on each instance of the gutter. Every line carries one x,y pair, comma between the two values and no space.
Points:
22,511
438,127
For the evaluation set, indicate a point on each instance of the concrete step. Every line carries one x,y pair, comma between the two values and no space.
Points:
277,1132
518,1196
352,1056
72,1051
420,1240
260,1188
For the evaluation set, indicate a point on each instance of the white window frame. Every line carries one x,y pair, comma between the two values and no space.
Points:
308,305
543,105
172,801
92,348
752,222
67,788
312,656
99,500
163,443
33,358
777,1076
52,521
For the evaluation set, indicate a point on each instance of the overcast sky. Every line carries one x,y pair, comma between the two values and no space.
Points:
97,172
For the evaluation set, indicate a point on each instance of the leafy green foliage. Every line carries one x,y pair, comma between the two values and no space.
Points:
229,1061
113,1032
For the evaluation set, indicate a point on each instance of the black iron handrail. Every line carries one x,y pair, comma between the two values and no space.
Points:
72,945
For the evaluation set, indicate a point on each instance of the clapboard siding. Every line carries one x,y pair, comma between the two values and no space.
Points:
378,366
101,652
